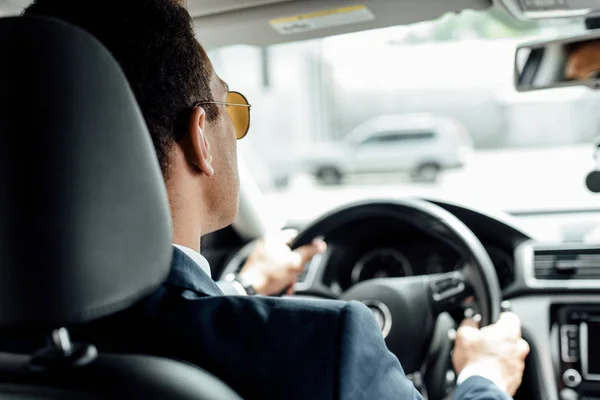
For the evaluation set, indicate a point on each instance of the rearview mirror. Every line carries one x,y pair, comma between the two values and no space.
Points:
573,61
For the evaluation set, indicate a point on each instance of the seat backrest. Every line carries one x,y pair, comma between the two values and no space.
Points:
85,227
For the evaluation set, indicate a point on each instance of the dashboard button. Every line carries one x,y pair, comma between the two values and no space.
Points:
569,343
572,334
568,394
573,354
574,316
571,378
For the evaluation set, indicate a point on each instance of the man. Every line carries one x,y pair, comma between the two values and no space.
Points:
583,61
264,348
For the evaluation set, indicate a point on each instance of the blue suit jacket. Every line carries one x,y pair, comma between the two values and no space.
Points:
265,348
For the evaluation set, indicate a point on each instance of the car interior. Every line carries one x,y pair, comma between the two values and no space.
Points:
101,237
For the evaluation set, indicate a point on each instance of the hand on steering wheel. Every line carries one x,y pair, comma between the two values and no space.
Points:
273,267
496,352
408,308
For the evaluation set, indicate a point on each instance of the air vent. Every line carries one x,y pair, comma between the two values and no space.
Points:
566,263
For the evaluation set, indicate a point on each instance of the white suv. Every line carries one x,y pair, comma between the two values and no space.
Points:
422,145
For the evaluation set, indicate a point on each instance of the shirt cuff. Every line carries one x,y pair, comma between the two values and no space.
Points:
231,288
477,370
239,288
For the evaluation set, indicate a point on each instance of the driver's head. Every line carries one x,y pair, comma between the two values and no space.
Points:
583,60
170,73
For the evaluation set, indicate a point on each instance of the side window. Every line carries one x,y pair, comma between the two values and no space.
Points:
398,137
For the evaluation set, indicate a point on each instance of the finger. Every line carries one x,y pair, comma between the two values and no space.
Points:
510,323
469,323
468,330
523,348
514,386
294,261
307,252
288,235
320,244
290,290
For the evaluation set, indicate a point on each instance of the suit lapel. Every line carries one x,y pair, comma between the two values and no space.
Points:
186,274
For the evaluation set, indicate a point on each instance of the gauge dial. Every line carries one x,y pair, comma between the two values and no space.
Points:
503,264
434,264
381,263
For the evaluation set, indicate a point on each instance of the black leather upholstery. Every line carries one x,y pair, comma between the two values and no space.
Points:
85,226
111,377
85,220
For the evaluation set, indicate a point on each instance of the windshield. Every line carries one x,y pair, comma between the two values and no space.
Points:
427,110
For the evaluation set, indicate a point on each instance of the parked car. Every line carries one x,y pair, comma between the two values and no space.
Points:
422,145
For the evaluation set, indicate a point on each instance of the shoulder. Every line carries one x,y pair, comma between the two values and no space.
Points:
366,362
262,319
356,314
288,341
263,309
334,349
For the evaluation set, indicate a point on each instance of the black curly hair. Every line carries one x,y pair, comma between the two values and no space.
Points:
155,45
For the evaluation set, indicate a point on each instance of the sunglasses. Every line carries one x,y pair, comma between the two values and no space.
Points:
238,109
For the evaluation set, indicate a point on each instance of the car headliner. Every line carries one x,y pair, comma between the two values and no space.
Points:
227,22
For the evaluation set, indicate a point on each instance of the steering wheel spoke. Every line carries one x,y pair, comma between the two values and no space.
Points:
449,291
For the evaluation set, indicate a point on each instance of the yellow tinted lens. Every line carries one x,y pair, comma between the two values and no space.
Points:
239,112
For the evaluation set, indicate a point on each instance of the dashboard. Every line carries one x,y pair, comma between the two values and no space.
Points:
382,248
547,283
403,255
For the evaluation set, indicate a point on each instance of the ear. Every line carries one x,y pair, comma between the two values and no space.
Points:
197,146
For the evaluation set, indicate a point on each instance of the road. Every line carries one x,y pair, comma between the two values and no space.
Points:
523,179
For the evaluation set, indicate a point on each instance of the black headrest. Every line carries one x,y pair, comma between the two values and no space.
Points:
85,228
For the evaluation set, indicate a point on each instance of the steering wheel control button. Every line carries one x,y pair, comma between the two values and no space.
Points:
382,315
452,334
569,343
447,286
450,376
568,394
571,378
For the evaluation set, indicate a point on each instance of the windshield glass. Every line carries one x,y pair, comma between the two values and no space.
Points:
427,109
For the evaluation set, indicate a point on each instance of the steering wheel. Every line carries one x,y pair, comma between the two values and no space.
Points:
407,309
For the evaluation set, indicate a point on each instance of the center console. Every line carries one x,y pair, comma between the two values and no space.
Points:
579,351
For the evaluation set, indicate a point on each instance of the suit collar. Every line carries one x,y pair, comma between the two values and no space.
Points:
187,274
196,257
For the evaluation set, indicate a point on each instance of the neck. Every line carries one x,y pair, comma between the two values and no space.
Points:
185,213
185,232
